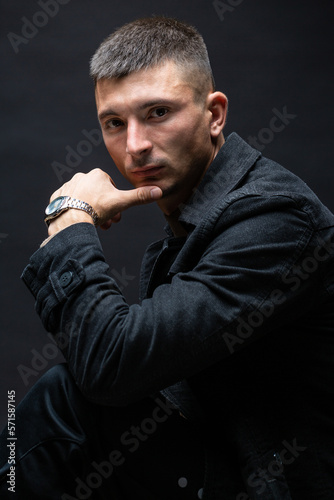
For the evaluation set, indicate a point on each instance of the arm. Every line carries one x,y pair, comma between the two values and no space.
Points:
119,353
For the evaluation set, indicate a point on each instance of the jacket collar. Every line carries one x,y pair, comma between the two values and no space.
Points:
231,164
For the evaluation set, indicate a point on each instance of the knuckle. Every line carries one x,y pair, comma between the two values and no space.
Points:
78,175
96,171
54,195
142,195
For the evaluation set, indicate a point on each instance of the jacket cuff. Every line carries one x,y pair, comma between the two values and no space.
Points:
56,270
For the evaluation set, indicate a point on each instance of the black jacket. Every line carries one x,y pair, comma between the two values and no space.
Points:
235,326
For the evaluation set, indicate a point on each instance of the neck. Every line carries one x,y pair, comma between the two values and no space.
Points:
175,225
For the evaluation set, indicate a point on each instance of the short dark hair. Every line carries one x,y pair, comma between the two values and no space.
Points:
152,41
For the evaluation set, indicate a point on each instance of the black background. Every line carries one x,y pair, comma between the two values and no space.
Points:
267,54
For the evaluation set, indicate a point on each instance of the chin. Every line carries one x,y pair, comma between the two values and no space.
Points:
153,182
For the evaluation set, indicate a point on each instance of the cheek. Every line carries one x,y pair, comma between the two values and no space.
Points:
178,140
193,132
191,143
116,155
115,149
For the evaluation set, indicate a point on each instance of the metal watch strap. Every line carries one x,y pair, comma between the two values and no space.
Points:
82,205
72,203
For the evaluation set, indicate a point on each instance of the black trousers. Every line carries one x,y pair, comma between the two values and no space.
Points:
69,449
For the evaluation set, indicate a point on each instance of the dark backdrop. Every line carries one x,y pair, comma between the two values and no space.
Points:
268,56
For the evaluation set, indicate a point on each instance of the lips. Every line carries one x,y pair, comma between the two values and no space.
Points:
148,171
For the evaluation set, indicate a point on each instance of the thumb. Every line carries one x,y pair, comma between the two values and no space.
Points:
138,196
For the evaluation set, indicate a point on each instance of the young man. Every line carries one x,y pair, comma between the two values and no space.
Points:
218,384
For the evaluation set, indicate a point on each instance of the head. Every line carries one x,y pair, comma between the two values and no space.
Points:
157,105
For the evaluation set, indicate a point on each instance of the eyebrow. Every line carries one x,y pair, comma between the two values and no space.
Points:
140,107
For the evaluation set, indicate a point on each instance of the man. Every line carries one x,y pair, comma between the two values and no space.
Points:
218,384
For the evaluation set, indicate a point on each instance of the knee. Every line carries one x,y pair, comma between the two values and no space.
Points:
54,392
56,376
54,383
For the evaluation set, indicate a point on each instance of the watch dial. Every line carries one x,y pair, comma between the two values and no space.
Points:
55,205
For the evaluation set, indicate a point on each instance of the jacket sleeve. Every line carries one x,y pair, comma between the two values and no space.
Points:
240,288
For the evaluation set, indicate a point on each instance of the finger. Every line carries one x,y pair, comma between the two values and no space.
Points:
109,222
116,218
138,196
106,225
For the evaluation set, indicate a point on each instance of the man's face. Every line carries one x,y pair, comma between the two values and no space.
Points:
156,132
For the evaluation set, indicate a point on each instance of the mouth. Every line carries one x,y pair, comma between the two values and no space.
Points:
148,171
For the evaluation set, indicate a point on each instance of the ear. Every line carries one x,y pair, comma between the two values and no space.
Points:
217,104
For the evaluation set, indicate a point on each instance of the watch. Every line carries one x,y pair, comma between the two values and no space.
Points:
63,203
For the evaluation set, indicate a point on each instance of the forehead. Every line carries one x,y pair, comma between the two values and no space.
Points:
163,82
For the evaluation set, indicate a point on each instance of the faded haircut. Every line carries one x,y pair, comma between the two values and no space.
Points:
152,41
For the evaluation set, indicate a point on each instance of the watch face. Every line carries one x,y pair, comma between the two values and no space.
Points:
55,205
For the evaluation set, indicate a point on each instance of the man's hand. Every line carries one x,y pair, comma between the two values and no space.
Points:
98,189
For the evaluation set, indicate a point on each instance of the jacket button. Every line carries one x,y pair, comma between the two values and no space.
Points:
65,279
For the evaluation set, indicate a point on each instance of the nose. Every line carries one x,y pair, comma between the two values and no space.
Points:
137,143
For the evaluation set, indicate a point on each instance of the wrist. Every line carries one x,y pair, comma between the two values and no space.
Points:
68,218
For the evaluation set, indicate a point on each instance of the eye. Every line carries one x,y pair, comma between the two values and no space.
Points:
159,112
114,123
